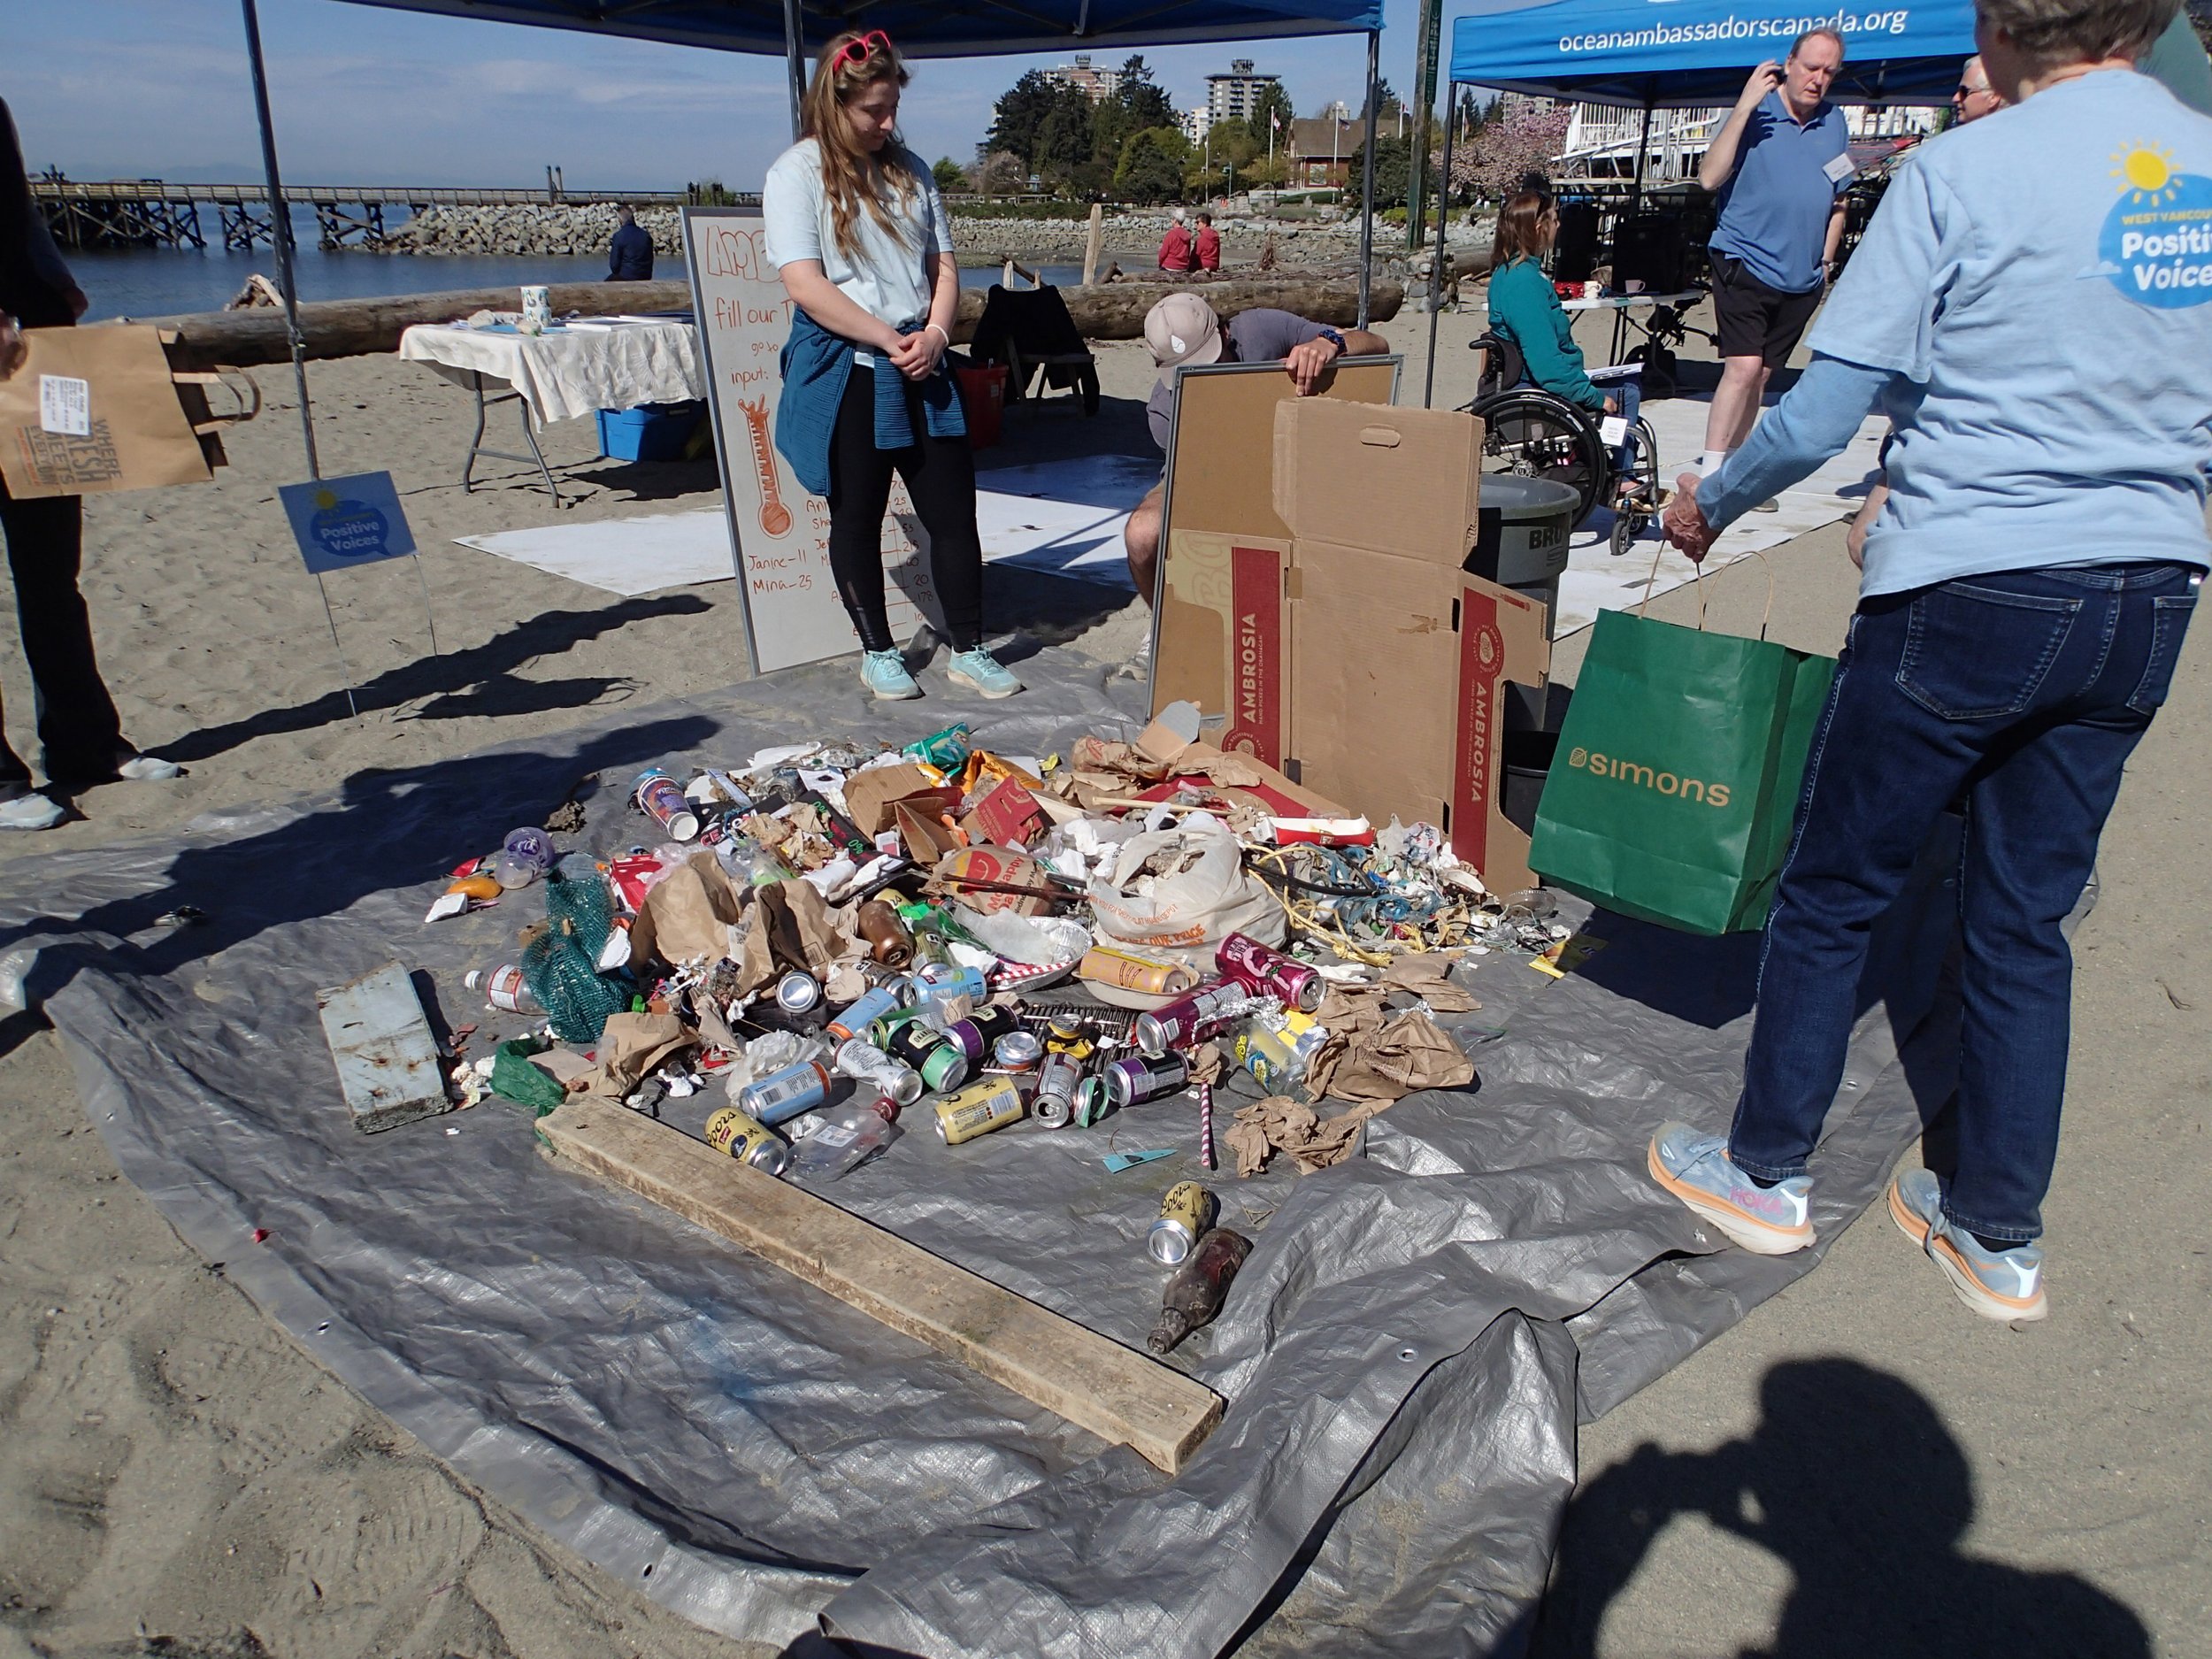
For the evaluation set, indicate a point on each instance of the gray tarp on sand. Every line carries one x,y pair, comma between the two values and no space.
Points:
1405,1356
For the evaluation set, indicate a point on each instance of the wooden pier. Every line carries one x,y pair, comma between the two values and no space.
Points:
154,213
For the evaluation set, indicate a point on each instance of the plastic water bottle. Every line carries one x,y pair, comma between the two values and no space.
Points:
504,988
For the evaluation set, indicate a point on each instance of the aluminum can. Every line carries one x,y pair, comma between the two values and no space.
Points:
1103,964
748,1140
863,1011
1185,1213
799,996
1271,973
975,1034
969,980
782,1095
662,798
1133,1082
1058,1080
1090,1102
1178,1024
915,1044
863,1061
977,1110
1017,1051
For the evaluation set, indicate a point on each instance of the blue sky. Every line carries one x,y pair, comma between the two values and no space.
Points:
126,89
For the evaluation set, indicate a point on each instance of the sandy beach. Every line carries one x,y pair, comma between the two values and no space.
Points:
177,1477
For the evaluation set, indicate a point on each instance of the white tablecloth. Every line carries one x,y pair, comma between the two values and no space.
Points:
566,373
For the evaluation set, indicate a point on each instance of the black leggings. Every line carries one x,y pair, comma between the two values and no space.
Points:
939,475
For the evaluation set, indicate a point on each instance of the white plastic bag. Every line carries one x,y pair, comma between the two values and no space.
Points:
1205,895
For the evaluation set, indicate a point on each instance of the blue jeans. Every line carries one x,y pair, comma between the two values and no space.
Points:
1631,392
2026,690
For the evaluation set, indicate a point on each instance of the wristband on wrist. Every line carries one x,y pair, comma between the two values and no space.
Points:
940,334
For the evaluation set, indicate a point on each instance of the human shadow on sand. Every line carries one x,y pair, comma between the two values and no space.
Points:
1852,1481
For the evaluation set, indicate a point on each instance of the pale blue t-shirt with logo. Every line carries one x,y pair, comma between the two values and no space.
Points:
2039,284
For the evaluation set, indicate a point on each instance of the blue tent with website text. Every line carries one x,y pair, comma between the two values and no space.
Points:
1681,54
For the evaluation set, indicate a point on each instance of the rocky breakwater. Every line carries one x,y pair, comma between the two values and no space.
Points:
578,229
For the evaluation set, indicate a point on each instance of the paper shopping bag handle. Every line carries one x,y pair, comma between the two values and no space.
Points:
1697,575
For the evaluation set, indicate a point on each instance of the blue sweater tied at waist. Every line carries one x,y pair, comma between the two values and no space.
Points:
816,365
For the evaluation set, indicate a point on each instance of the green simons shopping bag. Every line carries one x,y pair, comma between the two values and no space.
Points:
1678,772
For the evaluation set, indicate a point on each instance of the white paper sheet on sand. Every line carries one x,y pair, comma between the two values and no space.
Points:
1595,580
1064,517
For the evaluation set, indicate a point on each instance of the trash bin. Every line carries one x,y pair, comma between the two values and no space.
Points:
983,394
1521,540
1528,759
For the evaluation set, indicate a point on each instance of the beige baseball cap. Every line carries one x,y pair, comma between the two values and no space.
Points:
1183,333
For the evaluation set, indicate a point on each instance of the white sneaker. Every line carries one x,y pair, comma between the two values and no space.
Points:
21,808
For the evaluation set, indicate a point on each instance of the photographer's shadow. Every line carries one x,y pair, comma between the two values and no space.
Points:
1853,1484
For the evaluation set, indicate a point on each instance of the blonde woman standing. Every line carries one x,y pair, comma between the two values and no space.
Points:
859,237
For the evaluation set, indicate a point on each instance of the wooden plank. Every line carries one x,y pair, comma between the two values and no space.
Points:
387,1064
1095,1383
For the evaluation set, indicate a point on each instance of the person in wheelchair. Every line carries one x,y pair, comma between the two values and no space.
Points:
1525,310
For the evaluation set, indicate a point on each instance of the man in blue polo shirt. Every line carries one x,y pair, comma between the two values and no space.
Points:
1780,164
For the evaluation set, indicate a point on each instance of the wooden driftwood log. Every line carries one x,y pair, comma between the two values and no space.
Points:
352,329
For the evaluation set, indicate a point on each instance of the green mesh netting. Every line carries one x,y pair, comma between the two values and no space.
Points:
559,967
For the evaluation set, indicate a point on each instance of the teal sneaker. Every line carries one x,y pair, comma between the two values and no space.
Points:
983,674
2002,1285
1765,1220
884,673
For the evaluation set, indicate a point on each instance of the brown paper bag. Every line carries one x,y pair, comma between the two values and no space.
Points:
140,435
693,914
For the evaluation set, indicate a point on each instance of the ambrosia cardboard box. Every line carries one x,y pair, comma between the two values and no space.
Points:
1223,640
1397,652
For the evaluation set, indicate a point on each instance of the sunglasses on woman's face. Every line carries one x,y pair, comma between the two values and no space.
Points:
858,51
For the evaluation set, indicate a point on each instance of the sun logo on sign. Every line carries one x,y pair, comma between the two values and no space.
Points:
2148,173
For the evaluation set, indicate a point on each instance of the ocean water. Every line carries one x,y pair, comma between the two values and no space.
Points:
167,282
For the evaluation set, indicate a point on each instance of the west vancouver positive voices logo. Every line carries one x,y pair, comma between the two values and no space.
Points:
2156,245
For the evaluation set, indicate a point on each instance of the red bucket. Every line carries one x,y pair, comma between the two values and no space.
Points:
983,394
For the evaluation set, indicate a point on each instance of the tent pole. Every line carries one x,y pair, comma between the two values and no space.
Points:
1367,186
795,57
280,239
1643,151
279,229
1443,218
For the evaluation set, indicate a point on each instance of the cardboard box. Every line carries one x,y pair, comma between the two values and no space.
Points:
1396,653
1222,640
871,794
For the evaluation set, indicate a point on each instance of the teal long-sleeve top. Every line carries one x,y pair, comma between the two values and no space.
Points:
1524,304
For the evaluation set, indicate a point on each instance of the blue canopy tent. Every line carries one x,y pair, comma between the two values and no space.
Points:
1689,54
923,29
1645,54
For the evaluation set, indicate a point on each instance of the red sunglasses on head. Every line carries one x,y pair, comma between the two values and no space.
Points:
858,51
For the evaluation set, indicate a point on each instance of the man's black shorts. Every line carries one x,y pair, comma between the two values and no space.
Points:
1756,320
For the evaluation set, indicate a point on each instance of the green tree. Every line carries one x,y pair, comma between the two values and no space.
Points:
1387,107
1148,104
1393,170
1272,104
1064,137
949,174
1020,114
1152,166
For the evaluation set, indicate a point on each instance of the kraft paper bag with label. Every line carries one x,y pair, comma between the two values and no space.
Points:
109,416
1676,780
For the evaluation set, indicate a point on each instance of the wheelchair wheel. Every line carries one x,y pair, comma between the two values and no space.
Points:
1538,437
1645,475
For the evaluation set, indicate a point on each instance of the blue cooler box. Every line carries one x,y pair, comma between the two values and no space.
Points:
651,432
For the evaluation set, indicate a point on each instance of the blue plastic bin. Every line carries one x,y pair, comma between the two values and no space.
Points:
651,432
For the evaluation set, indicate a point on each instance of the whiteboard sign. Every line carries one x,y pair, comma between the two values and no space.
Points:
792,614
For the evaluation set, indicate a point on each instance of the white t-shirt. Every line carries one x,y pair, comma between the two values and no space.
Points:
887,276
